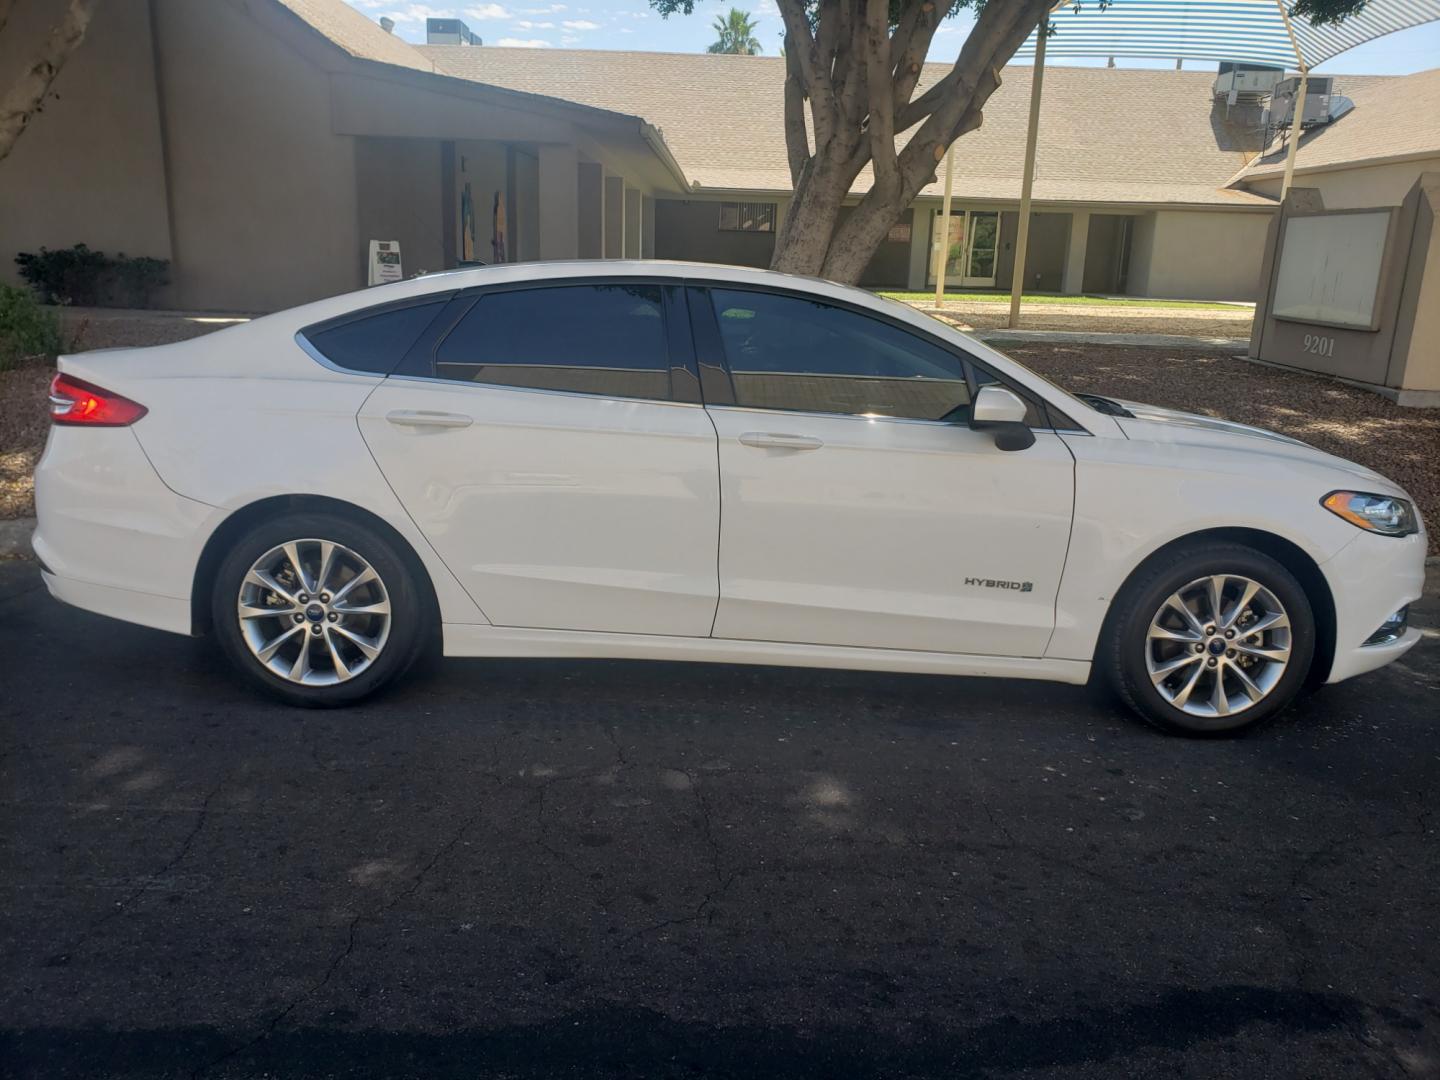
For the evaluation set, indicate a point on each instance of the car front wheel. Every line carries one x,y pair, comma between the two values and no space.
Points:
317,609
1210,640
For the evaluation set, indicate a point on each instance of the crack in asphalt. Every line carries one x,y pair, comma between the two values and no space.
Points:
351,934
122,905
723,881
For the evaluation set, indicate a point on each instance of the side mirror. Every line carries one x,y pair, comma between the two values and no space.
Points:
1003,412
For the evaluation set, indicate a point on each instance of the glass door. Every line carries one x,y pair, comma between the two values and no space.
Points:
971,243
984,235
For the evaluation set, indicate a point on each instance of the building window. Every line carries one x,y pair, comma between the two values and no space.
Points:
747,217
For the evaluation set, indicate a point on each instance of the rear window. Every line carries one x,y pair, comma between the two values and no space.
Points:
373,343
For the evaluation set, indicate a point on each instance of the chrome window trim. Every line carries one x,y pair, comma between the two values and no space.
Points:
861,416
324,361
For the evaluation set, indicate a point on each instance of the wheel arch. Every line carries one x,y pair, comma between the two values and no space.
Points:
1288,554
245,518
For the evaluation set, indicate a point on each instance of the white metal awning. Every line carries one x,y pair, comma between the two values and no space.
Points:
1245,31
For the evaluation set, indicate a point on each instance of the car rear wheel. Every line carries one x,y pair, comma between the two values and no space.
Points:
1210,640
318,609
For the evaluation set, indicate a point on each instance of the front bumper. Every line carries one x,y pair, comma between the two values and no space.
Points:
1370,578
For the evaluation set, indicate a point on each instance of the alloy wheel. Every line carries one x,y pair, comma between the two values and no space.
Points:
1218,646
314,612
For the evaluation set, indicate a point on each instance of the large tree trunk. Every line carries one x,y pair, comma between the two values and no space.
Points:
20,103
857,72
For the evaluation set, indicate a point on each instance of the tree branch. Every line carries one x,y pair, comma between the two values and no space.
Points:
880,130
814,78
909,46
20,102
797,138
998,23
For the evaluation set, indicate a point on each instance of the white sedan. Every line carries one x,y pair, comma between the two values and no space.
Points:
692,462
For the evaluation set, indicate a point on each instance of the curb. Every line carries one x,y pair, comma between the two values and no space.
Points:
15,537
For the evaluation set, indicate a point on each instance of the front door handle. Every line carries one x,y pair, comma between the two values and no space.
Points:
776,440
426,418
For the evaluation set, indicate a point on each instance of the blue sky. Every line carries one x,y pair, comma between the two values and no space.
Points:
631,24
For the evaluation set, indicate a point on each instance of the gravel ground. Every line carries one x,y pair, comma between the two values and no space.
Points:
1403,444
23,424
110,328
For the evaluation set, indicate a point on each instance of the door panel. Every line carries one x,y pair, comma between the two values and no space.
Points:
889,534
558,511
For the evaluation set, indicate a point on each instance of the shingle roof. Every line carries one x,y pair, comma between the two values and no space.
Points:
1393,118
1107,135
356,34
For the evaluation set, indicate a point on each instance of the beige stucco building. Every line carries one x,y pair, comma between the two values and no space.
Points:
260,145
1373,176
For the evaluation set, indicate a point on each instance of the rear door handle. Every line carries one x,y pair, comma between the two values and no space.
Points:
778,440
425,418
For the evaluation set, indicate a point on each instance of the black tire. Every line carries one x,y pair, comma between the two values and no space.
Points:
1124,644
412,618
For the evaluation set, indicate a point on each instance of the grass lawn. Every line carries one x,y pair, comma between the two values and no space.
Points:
1058,298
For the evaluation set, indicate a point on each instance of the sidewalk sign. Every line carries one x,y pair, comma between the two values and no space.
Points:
385,261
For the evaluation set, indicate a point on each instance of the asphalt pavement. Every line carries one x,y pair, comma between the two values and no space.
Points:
561,869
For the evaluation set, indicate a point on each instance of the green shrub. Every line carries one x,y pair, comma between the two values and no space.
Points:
27,330
88,278
138,279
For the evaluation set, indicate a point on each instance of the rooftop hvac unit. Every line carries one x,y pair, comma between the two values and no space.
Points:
1316,109
449,32
1246,82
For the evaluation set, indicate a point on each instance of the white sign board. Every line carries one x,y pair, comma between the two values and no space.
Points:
385,261
1330,268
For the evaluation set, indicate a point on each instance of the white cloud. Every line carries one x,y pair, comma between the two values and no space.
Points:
523,43
418,13
580,24
487,11
550,9
526,24
569,39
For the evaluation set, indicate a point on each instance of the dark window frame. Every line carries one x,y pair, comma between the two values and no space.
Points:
719,387
683,374
306,334
771,216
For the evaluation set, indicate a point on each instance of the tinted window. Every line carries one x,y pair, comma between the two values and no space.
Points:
373,342
787,352
587,339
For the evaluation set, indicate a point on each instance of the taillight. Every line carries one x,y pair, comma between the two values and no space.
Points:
75,401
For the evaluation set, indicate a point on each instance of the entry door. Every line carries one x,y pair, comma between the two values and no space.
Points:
972,240
982,244
550,467
859,509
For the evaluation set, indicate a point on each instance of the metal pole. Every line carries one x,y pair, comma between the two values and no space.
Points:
1022,234
1297,114
942,242
1297,117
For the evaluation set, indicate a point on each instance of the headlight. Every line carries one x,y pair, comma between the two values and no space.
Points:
1383,514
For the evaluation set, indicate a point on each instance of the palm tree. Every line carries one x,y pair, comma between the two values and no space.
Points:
736,34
